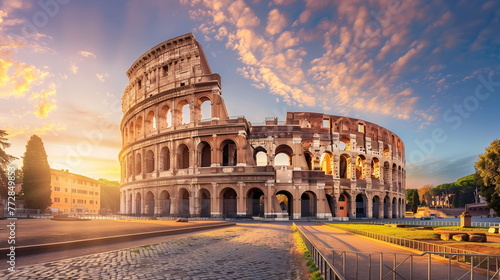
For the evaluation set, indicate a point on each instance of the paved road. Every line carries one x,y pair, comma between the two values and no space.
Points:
327,239
246,251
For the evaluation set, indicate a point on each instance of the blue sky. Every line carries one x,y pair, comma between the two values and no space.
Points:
427,71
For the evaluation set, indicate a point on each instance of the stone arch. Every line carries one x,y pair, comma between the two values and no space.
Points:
387,172
205,108
130,165
345,166
138,163
255,202
183,157
205,205
344,144
150,162
184,203
138,204
309,160
165,117
308,204
376,207
260,156
150,123
387,204
229,203
229,153
394,208
138,128
326,162
150,203
204,154
360,206
165,203
129,205
343,205
164,159
184,112
332,203
283,155
360,167
375,168
285,200
131,135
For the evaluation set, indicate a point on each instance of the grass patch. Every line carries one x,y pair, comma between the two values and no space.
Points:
314,273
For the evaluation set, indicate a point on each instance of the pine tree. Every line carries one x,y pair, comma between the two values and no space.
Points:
5,159
36,181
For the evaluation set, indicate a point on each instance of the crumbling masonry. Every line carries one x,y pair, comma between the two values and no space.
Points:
183,156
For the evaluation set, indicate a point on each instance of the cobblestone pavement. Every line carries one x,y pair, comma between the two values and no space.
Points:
246,251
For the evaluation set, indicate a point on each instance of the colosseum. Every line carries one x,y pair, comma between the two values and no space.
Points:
184,156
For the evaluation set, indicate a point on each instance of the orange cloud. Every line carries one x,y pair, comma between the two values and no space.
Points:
87,54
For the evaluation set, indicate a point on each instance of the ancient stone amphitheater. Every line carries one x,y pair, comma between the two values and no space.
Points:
184,156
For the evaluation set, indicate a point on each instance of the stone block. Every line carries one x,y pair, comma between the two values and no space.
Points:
494,230
477,237
461,237
446,236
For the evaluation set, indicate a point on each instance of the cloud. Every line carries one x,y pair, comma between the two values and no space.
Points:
73,68
102,77
87,54
44,101
276,22
28,130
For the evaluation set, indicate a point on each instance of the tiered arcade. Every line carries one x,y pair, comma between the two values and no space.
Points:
183,156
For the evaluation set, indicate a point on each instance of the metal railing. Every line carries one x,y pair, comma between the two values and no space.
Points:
363,265
328,271
428,223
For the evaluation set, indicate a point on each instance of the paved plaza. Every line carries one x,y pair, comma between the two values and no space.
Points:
246,251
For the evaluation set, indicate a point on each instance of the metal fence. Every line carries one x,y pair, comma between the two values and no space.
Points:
326,268
427,223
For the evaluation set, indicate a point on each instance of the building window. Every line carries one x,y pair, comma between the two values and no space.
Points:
66,189
57,189
65,201
57,199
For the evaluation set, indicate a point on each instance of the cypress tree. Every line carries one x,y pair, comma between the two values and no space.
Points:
36,170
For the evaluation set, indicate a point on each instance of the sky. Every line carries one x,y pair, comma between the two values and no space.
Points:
427,70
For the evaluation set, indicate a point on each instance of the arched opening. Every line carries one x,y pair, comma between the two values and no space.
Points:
345,144
206,109
387,172
183,157
229,203
326,162
285,200
343,206
308,204
331,203
360,167
129,205
138,128
131,135
204,154
205,203
150,204
375,207
164,203
375,168
260,156
185,112
394,208
165,117
184,204
387,203
130,165
309,160
164,159
138,165
360,206
255,202
150,162
229,153
283,156
150,123
138,206
344,166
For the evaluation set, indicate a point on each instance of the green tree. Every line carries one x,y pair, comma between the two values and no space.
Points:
110,195
488,169
5,160
412,200
36,179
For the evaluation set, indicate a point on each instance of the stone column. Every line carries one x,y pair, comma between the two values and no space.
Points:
241,205
216,209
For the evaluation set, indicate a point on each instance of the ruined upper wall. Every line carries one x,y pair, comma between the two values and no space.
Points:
171,65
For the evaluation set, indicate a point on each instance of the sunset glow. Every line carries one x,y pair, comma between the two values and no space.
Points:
428,71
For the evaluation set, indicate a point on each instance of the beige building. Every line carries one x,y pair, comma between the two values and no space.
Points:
183,155
74,194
